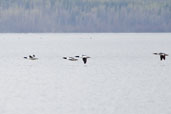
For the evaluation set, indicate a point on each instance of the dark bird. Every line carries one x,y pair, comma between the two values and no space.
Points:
162,55
84,60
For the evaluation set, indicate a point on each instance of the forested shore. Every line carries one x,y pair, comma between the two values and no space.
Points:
85,16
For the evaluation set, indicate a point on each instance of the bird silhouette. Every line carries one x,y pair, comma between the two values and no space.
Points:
162,55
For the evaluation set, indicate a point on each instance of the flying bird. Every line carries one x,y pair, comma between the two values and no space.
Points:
76,58
31,57
84,58
162,55
70,58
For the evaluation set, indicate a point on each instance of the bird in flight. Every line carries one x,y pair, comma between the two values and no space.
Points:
162,55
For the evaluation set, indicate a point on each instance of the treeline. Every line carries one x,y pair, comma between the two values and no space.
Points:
85,15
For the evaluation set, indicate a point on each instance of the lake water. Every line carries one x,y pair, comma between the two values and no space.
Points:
123,76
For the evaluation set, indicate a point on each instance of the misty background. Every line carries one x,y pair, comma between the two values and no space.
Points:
85,16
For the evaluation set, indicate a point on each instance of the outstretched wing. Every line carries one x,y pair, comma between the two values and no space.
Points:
156,53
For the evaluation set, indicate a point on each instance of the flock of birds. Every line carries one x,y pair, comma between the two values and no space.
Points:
75,58
85,58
